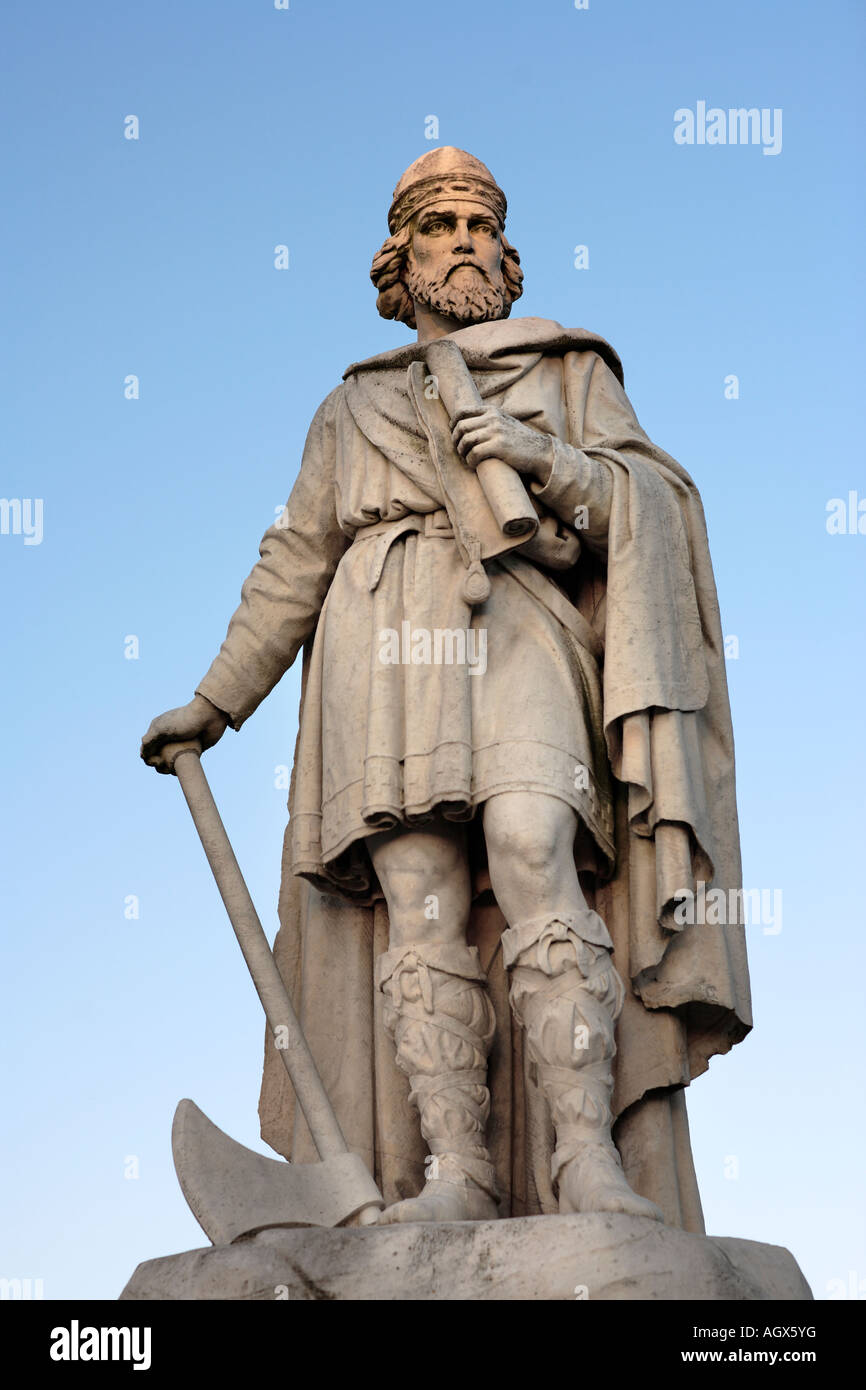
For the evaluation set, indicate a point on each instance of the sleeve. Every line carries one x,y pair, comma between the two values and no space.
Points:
601,424
283,595
579,491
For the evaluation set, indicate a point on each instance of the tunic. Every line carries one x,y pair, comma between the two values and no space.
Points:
415,701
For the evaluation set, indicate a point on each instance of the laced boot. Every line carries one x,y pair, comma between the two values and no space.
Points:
439,1015
567,994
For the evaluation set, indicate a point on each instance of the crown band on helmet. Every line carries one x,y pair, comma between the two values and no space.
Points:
431,190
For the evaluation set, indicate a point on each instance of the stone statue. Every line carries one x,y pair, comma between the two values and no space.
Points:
514,755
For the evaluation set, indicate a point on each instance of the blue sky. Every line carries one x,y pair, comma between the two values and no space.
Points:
155,258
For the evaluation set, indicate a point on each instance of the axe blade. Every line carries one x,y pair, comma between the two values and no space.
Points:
232,1191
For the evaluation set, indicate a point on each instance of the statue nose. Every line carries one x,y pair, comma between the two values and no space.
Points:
462,239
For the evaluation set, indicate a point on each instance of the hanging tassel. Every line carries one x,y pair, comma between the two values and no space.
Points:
476,584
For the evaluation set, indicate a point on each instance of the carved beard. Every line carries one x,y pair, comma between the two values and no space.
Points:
478,301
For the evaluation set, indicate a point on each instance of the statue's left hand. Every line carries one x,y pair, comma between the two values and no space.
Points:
495,435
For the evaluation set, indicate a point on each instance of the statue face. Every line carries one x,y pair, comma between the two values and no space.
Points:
454,264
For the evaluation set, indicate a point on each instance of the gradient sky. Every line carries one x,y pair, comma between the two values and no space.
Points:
155,257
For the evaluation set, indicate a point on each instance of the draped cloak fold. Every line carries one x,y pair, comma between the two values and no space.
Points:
646,590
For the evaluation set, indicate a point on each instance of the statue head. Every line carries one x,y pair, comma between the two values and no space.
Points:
447,249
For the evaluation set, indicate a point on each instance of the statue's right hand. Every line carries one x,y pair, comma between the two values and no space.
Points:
198,720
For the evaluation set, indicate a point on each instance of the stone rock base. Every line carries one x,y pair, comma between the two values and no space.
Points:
596,1256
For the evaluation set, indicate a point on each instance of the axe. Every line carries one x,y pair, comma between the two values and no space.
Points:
231,1190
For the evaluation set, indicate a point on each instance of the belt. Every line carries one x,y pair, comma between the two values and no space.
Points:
430,523
437,524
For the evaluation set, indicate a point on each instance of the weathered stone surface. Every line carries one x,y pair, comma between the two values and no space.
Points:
596,1256
481,503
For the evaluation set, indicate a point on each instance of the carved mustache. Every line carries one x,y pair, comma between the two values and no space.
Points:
438,282
464,262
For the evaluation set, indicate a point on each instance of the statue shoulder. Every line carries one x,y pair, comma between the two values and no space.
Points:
592,346
331,403
326,415
501,339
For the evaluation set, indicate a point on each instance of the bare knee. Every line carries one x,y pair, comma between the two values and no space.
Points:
425,879
528,833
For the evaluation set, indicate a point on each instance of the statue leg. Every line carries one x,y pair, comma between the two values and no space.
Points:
440,1017
565,991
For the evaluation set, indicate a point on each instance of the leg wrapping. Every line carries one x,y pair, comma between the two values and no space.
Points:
441,1020
567,994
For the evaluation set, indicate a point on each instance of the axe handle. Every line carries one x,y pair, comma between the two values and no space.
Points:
184,760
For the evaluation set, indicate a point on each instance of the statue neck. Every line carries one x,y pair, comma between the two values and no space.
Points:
432,325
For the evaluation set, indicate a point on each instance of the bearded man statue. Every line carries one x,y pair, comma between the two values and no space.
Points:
514,754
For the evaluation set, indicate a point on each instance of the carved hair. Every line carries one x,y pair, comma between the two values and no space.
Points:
386,272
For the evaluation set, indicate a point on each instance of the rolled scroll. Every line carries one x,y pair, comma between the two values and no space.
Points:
501,485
